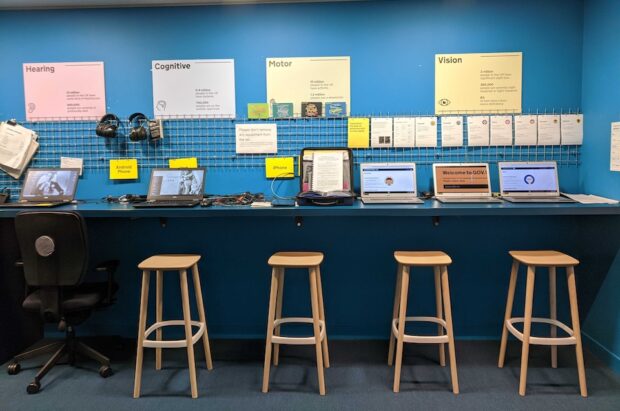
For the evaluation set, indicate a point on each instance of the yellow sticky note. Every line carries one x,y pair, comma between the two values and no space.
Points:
359,133
190,162
280,167
126,169
258,110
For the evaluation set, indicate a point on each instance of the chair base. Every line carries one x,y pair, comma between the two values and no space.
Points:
173,343
570,340
422,339
276,339
69,348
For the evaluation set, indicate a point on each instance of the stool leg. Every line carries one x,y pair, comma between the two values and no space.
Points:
317,330
394,314
202,316
509,301
448,313
527,326
438,302
553,315
144,300
402,313
276,347
270,318
187,318
322,316
158,314
574,313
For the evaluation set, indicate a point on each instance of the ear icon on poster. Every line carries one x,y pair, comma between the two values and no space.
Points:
31,107
161,105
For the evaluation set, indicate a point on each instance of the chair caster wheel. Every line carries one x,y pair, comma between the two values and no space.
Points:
14,368
105,371
33,387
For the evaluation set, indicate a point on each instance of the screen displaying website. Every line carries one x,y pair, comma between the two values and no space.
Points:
528,178
462,179
181,182
389,179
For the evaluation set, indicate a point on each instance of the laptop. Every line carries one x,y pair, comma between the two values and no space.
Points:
463,183
530,182
174,187
389,183
47,187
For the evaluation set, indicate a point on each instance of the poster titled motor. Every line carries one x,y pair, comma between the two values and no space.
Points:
64,90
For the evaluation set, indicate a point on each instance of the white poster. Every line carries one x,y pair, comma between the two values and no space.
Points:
309,79
571,128
478,131
526,130
426,132
452,131
404,131
256,138
380,132
615,147
549,130
194,88
501,130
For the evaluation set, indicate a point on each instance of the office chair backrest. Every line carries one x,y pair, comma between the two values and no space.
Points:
53,246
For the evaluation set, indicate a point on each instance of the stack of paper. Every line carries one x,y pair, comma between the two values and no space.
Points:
17,147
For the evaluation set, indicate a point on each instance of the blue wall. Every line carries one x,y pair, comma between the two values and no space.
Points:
392,46
391,43
601,106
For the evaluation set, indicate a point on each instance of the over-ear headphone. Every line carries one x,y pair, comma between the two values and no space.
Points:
107,126
138,124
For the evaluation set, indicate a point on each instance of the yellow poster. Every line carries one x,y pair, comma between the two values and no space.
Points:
126,169
478,83
308,79
359,133
280,167
189,162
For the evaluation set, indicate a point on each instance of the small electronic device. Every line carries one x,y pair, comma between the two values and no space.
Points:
174,187
283,202
462,183
389,183
47,187
530,182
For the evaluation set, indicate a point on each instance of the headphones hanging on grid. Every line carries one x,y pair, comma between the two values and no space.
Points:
138,124
108,126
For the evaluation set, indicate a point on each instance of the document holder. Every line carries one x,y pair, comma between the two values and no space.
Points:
310,194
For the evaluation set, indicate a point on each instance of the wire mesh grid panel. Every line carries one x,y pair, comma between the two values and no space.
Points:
212,141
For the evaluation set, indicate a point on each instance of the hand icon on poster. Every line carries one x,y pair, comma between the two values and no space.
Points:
31,107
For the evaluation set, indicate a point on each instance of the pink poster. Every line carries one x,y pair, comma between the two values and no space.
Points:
64,91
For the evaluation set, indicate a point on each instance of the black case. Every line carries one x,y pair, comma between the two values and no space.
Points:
308,197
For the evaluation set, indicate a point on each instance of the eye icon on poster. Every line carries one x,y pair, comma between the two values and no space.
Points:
444,102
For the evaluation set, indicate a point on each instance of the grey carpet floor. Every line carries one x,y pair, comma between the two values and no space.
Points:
358,379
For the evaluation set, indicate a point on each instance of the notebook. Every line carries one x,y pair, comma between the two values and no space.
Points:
47,187
530,182
389,183
463,183
174,187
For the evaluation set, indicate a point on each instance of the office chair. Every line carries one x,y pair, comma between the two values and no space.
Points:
54,251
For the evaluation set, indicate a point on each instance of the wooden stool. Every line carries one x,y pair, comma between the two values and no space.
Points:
279,262
551,260
159,264
439,261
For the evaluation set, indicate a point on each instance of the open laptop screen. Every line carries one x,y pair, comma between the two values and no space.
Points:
529,178
388,179
461,179
180,183
50,184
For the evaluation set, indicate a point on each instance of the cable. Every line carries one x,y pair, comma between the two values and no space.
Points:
275,195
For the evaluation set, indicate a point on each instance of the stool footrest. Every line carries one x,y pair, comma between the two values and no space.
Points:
542,340
422,339
276,339
172,343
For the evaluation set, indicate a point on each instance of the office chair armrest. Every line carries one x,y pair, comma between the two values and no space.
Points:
19,264
109,267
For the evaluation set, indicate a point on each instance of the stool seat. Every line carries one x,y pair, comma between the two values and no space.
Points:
295,259
544,258
422,258
165,262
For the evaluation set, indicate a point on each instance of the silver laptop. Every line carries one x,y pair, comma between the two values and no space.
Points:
463,183
389,183
174,187
47,187
530,182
